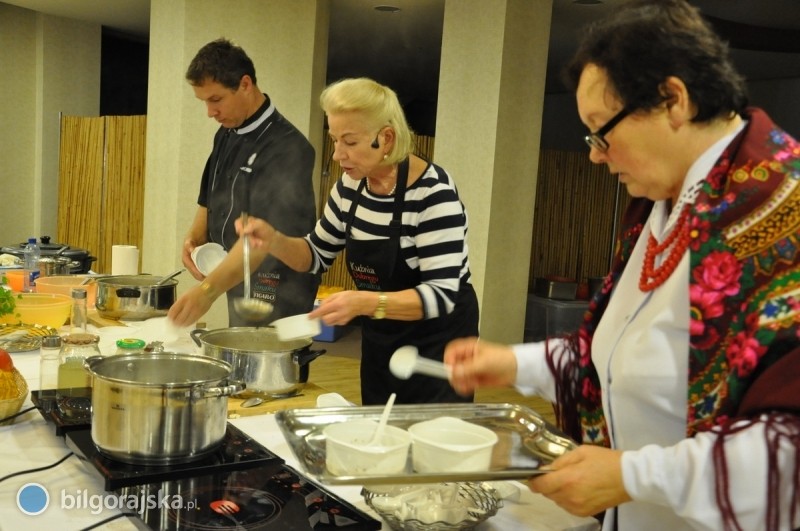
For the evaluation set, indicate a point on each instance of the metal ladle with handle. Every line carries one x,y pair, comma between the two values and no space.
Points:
247,307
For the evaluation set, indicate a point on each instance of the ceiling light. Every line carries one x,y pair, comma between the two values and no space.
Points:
387,9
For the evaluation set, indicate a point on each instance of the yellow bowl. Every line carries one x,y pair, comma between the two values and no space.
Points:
63,284
46,309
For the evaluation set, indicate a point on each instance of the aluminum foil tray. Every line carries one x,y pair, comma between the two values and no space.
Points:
526,442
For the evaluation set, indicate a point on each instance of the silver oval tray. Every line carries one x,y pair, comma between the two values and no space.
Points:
526,442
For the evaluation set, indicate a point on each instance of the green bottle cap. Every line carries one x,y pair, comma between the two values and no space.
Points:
130,343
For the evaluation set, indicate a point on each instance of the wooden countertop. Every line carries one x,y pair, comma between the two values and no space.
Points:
307,397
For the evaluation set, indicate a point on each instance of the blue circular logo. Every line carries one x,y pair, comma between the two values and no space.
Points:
32,499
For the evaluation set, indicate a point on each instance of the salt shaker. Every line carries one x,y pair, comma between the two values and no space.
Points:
78,317
48,370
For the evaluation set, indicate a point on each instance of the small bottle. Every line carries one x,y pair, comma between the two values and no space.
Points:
73,378
31,255
78,318
48,370
130,345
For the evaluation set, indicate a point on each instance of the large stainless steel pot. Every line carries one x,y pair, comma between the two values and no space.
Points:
268,366
134,297
159,408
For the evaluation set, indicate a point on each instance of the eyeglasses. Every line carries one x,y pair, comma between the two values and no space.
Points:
597,139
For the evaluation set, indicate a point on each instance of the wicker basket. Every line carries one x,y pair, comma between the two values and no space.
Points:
11,406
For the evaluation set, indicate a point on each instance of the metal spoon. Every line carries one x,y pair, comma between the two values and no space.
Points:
253,401
170,276
406,361
247,307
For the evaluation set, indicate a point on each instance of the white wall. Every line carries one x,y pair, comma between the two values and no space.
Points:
49,65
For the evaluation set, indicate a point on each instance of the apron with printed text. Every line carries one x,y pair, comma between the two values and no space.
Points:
377,265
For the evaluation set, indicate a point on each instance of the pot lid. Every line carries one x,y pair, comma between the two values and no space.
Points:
46,248
165,369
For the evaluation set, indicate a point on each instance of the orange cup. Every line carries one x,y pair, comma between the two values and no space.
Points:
15,279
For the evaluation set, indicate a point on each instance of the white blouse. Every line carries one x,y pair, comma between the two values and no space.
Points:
640,350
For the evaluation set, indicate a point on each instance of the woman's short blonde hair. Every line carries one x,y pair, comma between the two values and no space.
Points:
378,104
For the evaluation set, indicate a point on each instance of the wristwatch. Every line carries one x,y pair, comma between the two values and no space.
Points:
380,311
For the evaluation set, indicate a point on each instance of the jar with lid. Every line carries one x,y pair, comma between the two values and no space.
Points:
73,378
78,316
130,345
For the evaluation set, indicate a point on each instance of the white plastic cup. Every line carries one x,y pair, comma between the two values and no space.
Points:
208,256
297,327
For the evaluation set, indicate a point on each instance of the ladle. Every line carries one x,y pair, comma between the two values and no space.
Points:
376,438
170,276
247,307
406,361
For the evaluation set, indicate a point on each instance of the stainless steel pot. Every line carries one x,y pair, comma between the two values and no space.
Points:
134,297
159,408
268,366
54,265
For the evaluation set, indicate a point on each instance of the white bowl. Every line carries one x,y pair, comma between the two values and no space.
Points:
349,452
297,327
449,444
208,256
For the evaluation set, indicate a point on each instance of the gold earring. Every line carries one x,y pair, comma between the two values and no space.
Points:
385,156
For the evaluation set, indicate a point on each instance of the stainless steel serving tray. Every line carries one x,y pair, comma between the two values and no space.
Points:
526,442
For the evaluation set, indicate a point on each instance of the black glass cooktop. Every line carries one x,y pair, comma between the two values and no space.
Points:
266,498
236,451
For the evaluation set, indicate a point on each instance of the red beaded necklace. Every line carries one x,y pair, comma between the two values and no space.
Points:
653,277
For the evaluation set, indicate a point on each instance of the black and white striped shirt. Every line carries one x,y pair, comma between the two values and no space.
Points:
433,240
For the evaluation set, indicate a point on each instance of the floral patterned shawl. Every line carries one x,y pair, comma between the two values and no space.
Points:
744,293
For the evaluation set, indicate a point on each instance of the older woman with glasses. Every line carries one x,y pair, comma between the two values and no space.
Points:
682,382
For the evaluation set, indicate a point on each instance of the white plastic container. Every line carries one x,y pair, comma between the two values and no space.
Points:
449,444
349,452
207,257
297,327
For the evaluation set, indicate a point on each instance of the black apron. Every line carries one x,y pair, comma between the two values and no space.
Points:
389,272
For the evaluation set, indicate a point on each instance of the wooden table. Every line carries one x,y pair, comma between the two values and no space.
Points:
307,397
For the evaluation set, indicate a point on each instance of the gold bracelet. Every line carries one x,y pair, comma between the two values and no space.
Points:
380,311
208,290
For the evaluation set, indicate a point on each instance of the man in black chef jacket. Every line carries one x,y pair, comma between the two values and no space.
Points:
260,163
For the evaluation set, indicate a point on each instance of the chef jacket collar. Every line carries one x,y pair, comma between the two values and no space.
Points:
258,118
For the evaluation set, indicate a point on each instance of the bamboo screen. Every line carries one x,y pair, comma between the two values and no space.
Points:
337,275
101,184
573,223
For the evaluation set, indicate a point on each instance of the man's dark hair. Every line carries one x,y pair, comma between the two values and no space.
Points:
220,61
646,41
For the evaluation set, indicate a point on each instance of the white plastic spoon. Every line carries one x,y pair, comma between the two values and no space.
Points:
406,361
376,438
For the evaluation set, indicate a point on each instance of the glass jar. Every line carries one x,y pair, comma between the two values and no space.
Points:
130,345
73,378
48,370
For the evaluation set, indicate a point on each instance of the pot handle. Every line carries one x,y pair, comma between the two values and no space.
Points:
304,357
90,362
195,335
214,392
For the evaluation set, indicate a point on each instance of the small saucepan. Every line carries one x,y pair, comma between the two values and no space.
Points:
268,366
134,297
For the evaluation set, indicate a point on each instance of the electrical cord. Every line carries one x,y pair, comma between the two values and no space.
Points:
18,414
30,471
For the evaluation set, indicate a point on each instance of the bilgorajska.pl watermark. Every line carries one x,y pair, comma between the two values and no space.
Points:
97,503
